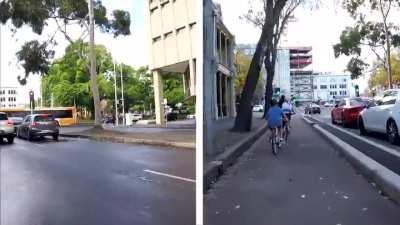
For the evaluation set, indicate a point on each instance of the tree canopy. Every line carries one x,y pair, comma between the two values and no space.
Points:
368,33
35,56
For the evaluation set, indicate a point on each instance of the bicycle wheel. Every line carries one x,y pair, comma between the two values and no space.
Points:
274,146
286,132
274,143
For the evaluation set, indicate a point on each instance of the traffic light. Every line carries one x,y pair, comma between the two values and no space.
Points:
357,89
32,99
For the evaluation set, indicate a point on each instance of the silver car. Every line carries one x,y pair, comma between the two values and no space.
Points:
7,129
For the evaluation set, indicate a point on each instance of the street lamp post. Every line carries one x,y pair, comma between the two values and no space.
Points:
122,98
115,97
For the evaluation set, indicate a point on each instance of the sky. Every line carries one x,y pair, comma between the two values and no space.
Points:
131,50
319,28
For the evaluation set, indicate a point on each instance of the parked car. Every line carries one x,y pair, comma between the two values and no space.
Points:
39,125
17,121
329,104
258,108
382,116
136,117
190,117
7,129
312,108
347,111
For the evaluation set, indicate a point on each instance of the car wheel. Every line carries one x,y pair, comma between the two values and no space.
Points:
361,126
55,137
344,122
10,140
29,136
392,132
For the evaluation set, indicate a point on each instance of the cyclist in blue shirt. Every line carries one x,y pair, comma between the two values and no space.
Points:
275,117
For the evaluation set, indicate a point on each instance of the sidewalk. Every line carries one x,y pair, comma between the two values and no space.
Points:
183,136
309,182
231,145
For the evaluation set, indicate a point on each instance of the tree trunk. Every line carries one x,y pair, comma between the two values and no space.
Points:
244,116
93,75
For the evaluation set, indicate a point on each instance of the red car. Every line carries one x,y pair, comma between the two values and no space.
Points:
347,111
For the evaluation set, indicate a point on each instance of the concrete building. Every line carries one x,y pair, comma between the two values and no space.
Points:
173,46
331,87
281,81
8,97
301,76
219,74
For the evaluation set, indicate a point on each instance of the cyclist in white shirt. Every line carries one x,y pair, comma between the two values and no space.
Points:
287,109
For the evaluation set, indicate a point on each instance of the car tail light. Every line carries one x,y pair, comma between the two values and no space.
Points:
34,124
10,123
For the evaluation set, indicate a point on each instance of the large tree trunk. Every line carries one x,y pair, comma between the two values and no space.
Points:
268,86
93,72
245,115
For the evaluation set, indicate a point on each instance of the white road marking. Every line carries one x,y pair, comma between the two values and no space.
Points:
382,147
170,176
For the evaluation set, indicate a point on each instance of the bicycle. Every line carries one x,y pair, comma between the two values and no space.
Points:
275,140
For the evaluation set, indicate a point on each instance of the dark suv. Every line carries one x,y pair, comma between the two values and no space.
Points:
7,129
39,125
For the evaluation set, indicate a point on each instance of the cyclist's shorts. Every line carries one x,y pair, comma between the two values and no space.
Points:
277,125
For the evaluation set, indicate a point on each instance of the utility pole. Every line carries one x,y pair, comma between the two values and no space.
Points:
115,97
122,98
93,76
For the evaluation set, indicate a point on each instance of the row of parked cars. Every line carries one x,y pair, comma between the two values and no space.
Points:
381,115
30,127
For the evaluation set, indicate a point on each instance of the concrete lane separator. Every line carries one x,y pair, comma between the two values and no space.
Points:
127,140
307,120
170,176
386,179
375,144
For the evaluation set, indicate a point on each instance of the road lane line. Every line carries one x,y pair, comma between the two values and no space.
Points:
170,176
382,147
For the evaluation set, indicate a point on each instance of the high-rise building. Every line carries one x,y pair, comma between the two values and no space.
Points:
173,45
8,97
301,76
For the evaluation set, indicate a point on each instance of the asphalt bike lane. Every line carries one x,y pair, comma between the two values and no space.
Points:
309,182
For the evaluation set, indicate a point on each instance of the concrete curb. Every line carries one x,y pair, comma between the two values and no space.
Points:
386,180
214,169
183,145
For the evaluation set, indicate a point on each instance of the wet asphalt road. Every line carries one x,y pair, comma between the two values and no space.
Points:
309,182
85,182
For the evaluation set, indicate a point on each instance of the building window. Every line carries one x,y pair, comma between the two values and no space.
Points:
332,86
323,87
344,86
222,95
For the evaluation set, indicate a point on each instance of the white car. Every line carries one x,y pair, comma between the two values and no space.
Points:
258,108
382,116
136,117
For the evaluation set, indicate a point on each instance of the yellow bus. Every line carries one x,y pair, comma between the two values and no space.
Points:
66,116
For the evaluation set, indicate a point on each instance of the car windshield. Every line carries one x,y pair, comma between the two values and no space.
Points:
3,116
44,118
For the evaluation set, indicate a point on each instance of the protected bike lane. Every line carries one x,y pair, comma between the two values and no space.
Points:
309,182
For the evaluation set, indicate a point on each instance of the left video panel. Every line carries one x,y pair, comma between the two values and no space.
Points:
97,112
